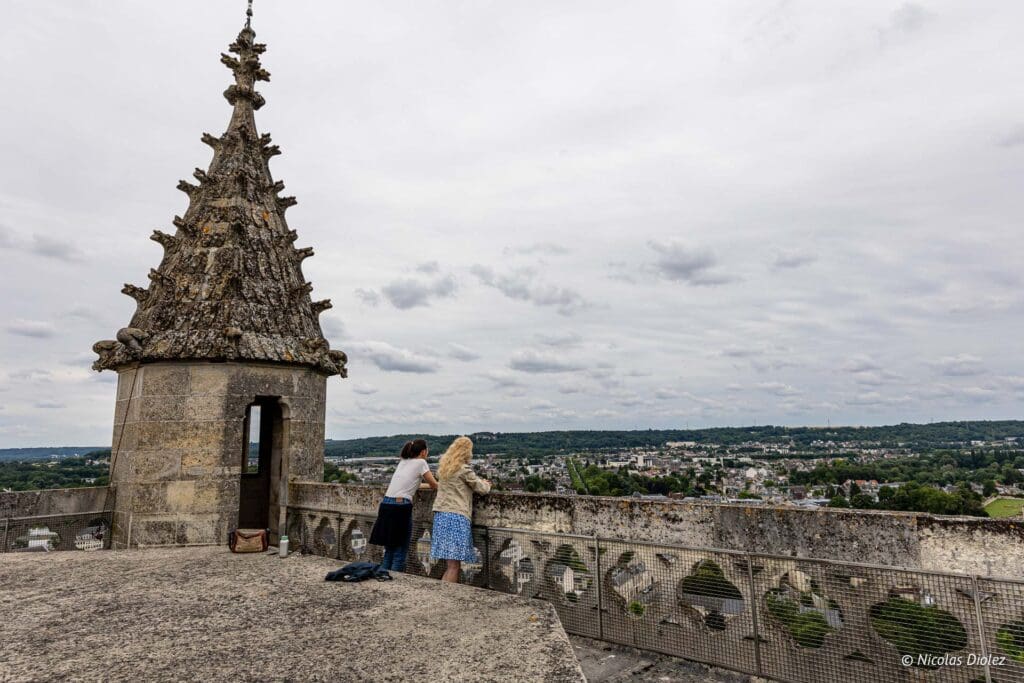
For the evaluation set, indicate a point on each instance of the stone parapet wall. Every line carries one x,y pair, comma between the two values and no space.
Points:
45,502
969,545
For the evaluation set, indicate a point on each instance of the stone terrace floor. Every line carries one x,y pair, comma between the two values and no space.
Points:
206,614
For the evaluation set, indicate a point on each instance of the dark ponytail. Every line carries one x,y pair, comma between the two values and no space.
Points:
412,449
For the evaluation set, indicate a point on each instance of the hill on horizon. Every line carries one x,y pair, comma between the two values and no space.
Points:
931,435
44,452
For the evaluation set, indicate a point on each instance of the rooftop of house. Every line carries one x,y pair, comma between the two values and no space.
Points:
207,614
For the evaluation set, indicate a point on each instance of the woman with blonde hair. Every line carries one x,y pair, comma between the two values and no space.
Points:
452,534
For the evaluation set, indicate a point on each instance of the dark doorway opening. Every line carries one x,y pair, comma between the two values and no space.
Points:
261,461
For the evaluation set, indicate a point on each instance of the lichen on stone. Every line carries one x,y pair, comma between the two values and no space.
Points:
230,285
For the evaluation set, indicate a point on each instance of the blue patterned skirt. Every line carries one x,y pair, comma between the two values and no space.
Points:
452,538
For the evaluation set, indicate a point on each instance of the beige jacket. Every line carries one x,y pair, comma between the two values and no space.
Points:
455,494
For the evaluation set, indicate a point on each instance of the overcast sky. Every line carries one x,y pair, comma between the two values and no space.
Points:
546,215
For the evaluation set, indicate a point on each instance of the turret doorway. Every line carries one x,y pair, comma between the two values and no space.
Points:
263,439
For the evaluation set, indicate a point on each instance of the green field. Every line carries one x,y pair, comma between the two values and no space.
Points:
1005,507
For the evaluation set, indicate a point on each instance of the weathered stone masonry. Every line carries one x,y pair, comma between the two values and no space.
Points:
902,539
226,322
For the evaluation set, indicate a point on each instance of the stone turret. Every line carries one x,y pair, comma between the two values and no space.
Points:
230,285
226,325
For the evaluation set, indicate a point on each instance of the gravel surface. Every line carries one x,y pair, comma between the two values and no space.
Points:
607,663
206,614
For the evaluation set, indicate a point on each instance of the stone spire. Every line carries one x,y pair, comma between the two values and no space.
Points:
230,286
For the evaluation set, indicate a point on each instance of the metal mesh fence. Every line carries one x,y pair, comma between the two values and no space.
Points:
82,531
683,602
1001,606
867,622
559,568
783,618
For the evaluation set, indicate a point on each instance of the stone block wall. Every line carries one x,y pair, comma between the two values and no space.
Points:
46,502
970,545
178,445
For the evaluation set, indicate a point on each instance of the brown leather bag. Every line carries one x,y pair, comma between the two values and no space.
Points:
248,541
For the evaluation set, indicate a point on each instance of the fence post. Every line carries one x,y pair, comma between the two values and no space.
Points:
600,591
487,557
753,614
981,628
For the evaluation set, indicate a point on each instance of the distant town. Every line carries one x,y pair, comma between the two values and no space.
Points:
956,468
945,468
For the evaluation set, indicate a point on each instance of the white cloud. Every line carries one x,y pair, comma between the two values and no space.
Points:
463,353
793,259
410,292
504,379
390,358
51,247
530,360
960,365
570,387
681,263
49,405
369,297
546,248
778,388
37,329
563,340
524,285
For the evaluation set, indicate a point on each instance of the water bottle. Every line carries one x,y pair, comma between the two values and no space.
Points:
282,547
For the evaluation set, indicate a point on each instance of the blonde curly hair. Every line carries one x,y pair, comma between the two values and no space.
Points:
457,455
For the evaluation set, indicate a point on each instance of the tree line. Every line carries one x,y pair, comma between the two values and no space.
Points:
521,444
66,473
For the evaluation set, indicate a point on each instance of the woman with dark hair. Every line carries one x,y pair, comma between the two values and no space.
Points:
393,528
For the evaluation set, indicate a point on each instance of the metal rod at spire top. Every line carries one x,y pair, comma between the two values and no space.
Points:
248,15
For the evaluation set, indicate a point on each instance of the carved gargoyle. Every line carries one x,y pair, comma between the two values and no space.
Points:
340,360
187,187
211,140
321,306
182,225
163,238
284,202
304,253
132,338
135,292
105,348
